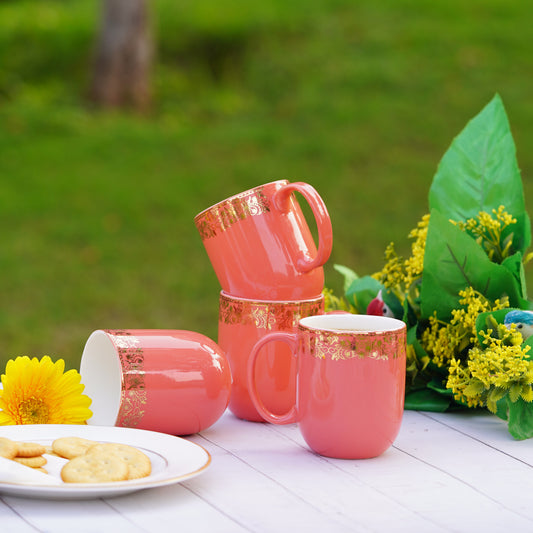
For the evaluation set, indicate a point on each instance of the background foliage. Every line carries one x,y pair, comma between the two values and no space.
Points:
360,99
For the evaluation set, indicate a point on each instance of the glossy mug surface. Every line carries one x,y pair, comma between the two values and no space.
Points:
171,381
351,383
260,245
242,323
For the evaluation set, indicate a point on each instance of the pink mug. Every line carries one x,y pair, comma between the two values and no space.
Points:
171,381
350,383
260,245
242,323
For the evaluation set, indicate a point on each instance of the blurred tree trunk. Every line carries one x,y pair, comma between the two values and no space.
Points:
124,54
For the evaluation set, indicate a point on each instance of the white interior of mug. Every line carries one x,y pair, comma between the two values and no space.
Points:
101,374
351,322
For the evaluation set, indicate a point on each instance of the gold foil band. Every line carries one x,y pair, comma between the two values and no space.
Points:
133,393
338,347
222,216
267,315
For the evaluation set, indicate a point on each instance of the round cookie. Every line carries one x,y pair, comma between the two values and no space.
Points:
8,448
94,468
33,462
138,462
70,447
30,449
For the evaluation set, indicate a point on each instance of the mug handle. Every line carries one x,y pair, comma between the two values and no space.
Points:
322,218
279,336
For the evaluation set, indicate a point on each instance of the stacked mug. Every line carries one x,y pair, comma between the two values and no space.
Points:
271,274
279,357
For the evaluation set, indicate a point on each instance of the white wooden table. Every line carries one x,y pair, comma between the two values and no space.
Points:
446,472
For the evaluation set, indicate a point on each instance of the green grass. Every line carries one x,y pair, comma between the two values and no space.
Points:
359,99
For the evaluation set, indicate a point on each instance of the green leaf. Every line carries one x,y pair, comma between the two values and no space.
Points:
515,265
349,275
514,392
426,400
529,342
412,339
498,315
520,416
485,321
502,410
479,172
362,291
436,385
416,366
453,261
409,315
496,394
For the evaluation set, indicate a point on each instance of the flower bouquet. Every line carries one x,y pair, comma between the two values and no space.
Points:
462,292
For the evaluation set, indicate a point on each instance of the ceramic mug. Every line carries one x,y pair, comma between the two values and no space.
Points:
350,383
260,244
242,322
171,381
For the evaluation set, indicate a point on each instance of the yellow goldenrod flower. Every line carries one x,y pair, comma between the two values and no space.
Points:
446,340
40,392
440,340
392,274
497,367
335,303
481,367
414,265
488,229
400,275
465,390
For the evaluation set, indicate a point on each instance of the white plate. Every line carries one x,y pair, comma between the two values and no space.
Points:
173,460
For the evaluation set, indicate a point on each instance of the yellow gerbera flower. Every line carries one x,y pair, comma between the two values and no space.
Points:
39,392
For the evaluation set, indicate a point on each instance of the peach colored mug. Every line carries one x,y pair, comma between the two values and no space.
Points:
242,323
350,383
260,245
171,381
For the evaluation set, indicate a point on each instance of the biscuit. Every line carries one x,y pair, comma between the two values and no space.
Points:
30,449
138,462
33,462
70,447
94,468
8,448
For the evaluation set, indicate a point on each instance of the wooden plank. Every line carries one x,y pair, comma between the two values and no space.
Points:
11,521
477,463
312,482
162,509
489,429
438,476
256,500
445,472
70,516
